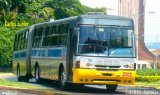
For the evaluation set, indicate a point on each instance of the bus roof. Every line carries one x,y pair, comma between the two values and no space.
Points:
99,16
91,16
102,16
58,21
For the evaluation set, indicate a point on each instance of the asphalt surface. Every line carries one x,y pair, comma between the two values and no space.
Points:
82,90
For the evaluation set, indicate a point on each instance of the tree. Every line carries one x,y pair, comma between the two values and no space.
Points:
5,5
6,44
33,11
4,9
19,6
67,8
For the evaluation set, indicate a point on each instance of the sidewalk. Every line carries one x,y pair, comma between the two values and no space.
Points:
6,90
5,74
13,90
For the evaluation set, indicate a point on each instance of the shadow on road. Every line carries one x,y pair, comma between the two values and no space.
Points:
76,89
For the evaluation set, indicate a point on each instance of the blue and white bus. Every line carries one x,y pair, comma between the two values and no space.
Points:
91,49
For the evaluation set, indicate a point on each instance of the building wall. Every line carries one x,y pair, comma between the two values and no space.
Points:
136,9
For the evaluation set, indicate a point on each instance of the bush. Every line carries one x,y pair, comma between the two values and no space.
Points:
148,72
147,78
6,44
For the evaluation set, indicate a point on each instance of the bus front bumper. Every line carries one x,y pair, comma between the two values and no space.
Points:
103,77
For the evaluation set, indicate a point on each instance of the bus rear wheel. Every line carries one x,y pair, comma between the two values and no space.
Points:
111,88
37,74
19,78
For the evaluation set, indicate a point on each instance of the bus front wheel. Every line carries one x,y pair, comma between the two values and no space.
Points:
111,88
62,80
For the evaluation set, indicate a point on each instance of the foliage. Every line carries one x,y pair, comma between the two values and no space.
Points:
148,72
6,44
149,84
147,78
148,75
32,12
66,8
19,5
18,84
35,11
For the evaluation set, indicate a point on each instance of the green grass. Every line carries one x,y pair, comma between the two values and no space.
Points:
149,84
5,73
22,85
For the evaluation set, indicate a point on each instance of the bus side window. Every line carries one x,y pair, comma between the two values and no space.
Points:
52,33
23,40
46,37
34,40
37,38
19,42
64,28
26,39
57,29
63,35
54,37
53,30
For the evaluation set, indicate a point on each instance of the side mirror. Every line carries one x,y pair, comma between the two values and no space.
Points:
135,66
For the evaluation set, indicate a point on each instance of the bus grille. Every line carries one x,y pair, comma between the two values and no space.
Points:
105,80
104,66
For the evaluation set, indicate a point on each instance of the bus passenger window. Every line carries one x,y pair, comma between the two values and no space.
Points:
37,37
61,29
46,37
65,28
15,42
26,39
20,43
63,39
47,31
57,29
54,40
63,35
53,30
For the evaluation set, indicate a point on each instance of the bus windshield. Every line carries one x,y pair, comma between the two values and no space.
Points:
106,41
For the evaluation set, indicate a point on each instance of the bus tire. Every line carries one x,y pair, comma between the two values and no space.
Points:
26,79
62,80
37,74
19,78
111,88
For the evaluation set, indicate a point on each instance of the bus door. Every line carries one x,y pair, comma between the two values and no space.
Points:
70,52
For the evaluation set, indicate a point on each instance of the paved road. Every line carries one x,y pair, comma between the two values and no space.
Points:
91,89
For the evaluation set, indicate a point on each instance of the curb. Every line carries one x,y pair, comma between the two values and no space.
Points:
152,87
6,74
28,91
2,75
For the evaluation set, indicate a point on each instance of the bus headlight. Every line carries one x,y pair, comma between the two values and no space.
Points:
89,65
84,65
127,66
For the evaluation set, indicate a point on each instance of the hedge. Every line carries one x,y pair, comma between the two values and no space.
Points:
148,72
147,78
148,75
